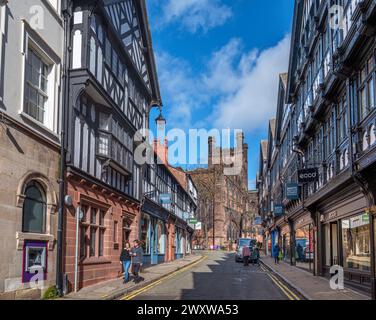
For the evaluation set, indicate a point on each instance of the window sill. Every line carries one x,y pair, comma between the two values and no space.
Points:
22,236
40,125
95,260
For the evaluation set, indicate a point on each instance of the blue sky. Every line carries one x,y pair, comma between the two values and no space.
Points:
218,63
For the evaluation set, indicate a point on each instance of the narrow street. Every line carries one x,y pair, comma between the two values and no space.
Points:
217,277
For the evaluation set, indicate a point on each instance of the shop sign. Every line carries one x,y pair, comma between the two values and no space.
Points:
257,221
365,218
278,210
192,221
292,191
198,226
165,198
308,175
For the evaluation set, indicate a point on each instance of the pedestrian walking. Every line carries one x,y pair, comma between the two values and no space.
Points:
246,254
126,260
256,256
138,255
276,253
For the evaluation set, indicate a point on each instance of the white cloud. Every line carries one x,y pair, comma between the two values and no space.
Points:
195,15
237,88
179,89
254,100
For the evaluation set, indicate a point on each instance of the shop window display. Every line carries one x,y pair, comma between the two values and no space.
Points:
356,243
304,251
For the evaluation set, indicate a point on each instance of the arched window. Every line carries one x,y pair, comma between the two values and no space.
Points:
34,209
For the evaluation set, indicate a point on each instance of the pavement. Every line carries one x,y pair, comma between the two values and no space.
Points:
218,277
113,289
309,286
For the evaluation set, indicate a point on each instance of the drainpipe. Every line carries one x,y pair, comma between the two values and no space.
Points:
66,10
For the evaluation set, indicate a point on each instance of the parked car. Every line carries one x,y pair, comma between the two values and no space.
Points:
251,243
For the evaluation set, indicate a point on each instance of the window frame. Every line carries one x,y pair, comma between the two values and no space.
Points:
43,202
93,231
53,61
366,74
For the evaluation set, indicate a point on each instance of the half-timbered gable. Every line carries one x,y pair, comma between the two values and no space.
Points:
125,19
113,84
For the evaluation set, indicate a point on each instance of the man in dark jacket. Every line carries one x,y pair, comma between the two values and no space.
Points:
138,255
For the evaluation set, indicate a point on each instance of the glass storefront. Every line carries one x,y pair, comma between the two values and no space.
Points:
286,247
356,243
145,233
304,250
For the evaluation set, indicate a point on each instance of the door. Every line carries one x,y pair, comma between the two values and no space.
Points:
334,243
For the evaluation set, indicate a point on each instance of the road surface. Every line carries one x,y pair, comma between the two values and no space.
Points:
218,277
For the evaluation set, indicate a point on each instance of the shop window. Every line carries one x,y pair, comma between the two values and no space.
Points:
356,243
145,233
304,251
34,209
160,238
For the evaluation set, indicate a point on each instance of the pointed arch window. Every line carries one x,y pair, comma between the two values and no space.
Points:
34,209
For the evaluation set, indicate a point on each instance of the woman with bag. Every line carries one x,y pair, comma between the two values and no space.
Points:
126,260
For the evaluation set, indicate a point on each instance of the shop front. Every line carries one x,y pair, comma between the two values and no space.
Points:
274,239
179,242
153,234
347,241
304,243
286,243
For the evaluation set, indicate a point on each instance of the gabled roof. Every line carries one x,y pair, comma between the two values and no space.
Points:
281,105
272,123
264,149
116,7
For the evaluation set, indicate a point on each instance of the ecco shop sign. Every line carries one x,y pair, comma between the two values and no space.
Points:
308,175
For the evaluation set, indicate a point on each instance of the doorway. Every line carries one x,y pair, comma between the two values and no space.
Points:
331,244
126,231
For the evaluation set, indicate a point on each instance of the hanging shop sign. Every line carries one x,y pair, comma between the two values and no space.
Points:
292,191
308,175
257,221
278,210
192,221
165,198
198,226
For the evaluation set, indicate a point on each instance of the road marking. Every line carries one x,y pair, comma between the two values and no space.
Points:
291,295
158,282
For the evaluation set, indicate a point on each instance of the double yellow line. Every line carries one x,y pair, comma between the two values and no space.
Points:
158,282
291,295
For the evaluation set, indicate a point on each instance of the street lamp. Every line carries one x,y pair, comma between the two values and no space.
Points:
160,120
